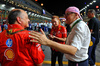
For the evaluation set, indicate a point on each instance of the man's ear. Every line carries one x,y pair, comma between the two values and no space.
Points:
18,20
76,14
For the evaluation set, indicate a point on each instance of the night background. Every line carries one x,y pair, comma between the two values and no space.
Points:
58,7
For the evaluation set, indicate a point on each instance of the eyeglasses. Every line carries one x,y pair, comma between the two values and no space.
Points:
68,14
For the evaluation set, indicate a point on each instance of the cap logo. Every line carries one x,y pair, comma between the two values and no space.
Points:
76,10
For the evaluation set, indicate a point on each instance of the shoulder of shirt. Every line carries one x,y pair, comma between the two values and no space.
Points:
24,32
25,35
63,27
81,24
96,20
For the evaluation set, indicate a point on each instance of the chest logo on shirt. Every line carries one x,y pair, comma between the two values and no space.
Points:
58,32
59,28
9,54
9,43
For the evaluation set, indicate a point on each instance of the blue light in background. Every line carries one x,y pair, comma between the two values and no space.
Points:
85,2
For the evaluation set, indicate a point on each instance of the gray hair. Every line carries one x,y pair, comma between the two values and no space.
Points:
92,11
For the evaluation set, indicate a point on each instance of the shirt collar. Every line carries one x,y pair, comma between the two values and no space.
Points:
74,22
15,26
57,27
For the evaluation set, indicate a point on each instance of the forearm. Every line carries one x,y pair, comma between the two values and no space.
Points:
61,39
62,47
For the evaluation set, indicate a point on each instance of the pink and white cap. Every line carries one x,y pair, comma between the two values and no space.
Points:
73,9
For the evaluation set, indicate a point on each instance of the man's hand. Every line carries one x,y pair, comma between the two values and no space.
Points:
51,36
38,37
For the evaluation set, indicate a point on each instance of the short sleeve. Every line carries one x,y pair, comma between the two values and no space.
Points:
77,37
37,53
76,42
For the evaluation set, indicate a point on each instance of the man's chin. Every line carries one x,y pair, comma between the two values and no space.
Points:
26,26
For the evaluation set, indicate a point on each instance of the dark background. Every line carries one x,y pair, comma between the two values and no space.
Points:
58,7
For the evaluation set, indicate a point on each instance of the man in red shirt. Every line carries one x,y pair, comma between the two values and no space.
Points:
15,46
58,34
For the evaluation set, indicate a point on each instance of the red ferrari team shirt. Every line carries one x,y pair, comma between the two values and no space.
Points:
60,32
16,48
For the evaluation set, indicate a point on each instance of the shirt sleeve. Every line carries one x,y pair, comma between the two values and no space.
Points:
77,37
64,32
37,53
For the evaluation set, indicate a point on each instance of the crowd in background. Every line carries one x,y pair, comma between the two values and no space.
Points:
45,26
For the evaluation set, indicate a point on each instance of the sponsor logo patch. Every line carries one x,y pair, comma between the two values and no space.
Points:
9,43
9,54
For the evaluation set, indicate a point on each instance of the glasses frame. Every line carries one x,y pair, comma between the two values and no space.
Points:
68,14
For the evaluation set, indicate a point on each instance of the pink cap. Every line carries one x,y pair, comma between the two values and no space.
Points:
73,9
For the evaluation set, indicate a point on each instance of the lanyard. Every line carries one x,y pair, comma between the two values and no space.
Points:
75,23
10,32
